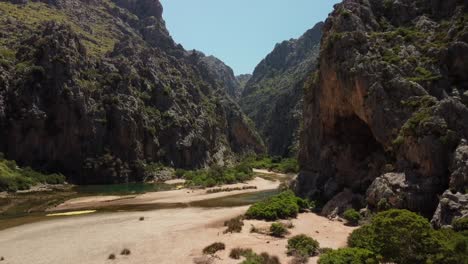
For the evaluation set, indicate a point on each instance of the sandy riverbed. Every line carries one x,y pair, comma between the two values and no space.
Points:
165,236
167,197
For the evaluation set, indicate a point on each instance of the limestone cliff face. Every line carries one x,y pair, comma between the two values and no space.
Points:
385,112
101,90
243,79
224,74
272,97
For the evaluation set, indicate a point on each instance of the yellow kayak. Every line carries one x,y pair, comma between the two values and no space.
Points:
73,213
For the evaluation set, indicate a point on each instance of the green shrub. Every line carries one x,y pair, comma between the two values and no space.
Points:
362,237
234,225
383,204
452,247
277,164
217,175
278,230
324,250
302,245
13,178
398,235
213,248
304,204
349,256
460,224
352,216
281,206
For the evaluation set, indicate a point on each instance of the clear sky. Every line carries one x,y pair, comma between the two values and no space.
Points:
241,32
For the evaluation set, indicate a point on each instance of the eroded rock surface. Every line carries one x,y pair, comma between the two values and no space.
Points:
102,91
272,97
385,110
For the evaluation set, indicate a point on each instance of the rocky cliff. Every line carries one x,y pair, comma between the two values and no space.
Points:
386,116
243,79
98,89
224,74
272,97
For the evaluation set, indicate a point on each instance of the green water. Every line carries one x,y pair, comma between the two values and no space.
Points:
30,208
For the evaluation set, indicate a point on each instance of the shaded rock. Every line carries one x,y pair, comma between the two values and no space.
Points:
272,97
459,168
341,202
385,114
391,187
243,79
452,206
224,74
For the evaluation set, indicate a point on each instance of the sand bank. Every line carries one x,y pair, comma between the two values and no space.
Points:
165,236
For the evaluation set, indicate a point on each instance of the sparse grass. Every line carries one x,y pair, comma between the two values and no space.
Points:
424,75
98,41
111,256
300,259
142,218
288,224
213,248
232,189
417,119
253,258
237,253
234,225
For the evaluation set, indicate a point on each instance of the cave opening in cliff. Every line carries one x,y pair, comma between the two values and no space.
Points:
361,155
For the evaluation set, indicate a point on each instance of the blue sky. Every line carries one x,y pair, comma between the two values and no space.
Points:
241,32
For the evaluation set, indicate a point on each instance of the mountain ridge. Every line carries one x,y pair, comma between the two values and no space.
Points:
98,90
272,97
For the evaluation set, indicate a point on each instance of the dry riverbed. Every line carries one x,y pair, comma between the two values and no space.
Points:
164,236
176,235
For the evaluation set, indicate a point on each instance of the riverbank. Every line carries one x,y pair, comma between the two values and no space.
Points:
164,236
181,196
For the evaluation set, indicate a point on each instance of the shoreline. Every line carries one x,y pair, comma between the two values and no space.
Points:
180,196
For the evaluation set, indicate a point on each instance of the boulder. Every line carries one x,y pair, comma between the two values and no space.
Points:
452,206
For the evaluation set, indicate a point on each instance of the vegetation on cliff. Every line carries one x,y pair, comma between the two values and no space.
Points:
386,113
272,97
106,91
